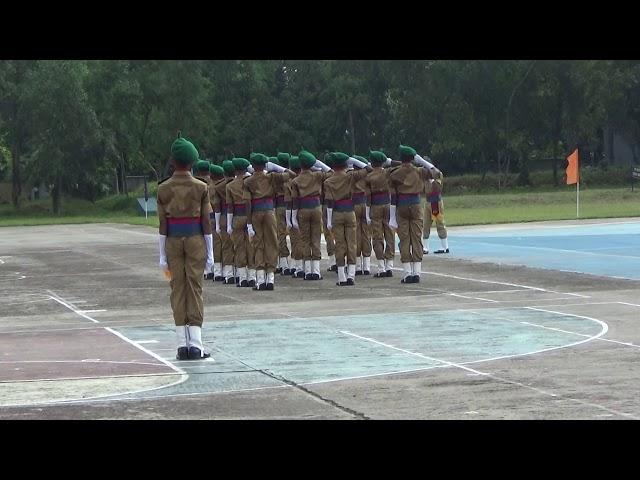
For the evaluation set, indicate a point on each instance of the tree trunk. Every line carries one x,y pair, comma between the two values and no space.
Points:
353,133
15,177
55,195
117,182
125,190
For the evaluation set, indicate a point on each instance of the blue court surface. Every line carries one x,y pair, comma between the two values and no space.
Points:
606,249
255,354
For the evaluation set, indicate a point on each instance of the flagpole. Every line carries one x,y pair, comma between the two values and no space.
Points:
146,215
578,199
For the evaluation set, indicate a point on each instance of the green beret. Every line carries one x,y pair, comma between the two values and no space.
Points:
183,151
307,159
339,159
258,159
294,163
228,168
406,151
202,165
377,157
240,163
216,170
328,159
283,159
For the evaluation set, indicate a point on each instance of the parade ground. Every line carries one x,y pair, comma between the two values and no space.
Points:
519,321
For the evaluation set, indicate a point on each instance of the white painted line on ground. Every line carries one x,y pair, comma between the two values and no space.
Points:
140,342
473,298
494,377
145,350
80,361
61,301
630,304
495,282
628,344
93,311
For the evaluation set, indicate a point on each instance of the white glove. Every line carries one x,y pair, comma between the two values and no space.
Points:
392,217
355,162
229,223
287,216
217,215
209,241
322,166
422,162
367,209
387,163
274,167
329,218
250,230
294,219
249,170
162,243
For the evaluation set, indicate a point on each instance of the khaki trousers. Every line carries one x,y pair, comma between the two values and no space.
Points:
383,238
410,219
283,249
363,233
344,231
310,223
265,241
186,259
242,247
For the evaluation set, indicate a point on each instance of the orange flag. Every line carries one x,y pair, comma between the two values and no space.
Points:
573,169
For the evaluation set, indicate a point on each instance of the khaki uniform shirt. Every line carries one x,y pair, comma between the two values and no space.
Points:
341,184
409,179
183,195
307,184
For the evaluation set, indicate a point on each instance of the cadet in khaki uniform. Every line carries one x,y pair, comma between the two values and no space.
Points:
296,268
186,246
408,181
328,234
281,218
220,214
260,190
360,196
307,214
341,218
216,174
434,211
237,206
201,172
383,237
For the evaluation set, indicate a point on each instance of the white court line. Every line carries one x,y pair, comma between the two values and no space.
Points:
473,298
93,311
145,350
140,342
494,377
629,344
58,299
528,287
79,361
630,304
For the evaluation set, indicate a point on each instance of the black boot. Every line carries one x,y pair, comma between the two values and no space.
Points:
183,353
196,354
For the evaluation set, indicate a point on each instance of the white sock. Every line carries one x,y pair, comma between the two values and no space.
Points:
251,275
381,266
260,276
195,337
351,272
417,266
271,278
425,244
217,269
389,264
342,276
181,335
407,269
307,266
332,260
366,264
315,266
445,243
241,273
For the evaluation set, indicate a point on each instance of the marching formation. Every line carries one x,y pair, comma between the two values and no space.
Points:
229,223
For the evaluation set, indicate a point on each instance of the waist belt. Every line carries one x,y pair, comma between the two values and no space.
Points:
262,204
434,198
380,198
345,205
280,203
239,209
408,199
359,198
312,201
223,208
184,226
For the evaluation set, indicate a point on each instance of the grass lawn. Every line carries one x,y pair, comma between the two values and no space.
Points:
459,209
